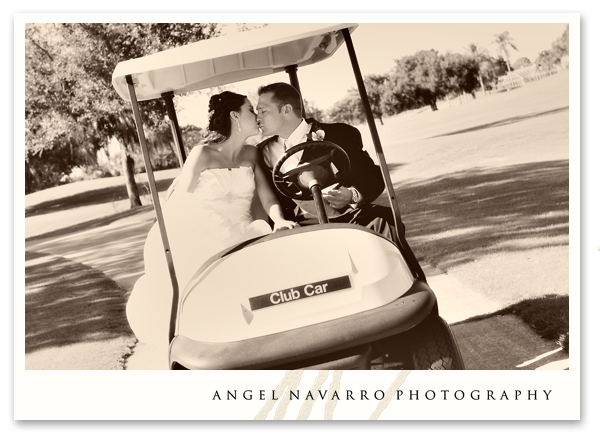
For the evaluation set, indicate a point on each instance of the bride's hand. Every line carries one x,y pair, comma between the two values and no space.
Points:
171,188
284,225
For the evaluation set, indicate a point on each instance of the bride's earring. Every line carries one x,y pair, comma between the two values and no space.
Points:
239,126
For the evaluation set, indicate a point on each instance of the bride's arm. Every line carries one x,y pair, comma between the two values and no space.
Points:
266,196
172,187
188,179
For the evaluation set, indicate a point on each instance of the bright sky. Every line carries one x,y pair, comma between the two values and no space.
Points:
377,45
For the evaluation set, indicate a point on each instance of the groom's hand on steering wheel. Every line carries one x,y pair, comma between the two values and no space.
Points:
338,198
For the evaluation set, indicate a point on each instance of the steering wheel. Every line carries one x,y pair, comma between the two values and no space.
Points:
316,164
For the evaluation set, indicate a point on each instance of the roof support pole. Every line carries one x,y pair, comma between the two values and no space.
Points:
399,232
292,72
157,207
168,98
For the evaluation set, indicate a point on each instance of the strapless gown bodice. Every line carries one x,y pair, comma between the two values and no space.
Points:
225,191
215,216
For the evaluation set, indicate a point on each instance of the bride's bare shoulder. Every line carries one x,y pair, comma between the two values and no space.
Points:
198,150
197,159
202,151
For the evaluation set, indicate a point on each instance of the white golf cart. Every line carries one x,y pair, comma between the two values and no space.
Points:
326,296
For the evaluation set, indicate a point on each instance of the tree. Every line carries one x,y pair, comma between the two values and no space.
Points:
521,62
428,77
559,50
479,56
460,73
416,80
546,60
561,46
48,124
311,110
450,64
396,100
375,86
491,69
69,93
504,41
340,113
348,110
192,136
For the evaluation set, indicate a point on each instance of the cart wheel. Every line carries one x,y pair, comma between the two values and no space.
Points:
434,346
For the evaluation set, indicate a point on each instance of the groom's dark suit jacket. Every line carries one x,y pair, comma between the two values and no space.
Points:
364,174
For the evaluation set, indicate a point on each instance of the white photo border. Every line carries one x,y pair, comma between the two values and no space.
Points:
83,395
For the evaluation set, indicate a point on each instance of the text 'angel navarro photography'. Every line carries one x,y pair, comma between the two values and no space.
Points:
378,395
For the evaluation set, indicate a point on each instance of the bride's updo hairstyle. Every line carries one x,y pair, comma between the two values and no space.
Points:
219,122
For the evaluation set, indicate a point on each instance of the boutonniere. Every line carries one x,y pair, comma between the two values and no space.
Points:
318,135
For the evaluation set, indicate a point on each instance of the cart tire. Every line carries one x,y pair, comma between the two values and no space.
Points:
434,346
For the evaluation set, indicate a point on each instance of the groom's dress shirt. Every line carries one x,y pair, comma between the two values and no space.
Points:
275,150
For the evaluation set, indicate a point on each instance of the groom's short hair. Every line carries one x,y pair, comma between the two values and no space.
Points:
284,94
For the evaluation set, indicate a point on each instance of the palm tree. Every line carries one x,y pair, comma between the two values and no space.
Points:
504,41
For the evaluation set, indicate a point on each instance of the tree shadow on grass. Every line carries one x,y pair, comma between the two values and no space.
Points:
548,316
89,198
482,338
505,121
457,218
68,303
394,166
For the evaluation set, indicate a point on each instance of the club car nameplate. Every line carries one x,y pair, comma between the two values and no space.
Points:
300,292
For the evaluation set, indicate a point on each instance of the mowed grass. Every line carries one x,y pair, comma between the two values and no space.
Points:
81,205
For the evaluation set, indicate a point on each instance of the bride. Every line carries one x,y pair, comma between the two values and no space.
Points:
208,210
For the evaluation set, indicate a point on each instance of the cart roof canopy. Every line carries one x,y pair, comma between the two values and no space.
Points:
227,59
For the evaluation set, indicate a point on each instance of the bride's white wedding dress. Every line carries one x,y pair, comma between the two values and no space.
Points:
199,225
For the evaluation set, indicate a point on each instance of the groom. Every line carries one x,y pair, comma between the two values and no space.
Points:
280,117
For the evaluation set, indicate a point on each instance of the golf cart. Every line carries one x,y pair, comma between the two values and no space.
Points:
325,296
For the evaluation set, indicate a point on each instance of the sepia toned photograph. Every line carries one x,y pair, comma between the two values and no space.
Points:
296,197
